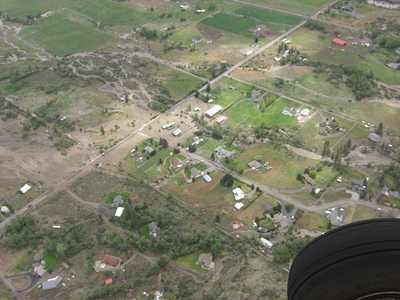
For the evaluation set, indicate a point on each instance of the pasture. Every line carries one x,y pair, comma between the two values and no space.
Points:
62,36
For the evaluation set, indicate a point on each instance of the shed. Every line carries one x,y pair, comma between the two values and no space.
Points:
239,205
207,178
119,211
266,243
177,132
25,188
108,281
4,210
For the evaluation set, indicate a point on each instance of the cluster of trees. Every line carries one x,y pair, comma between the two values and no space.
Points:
315,25
362,83
22,232
284,252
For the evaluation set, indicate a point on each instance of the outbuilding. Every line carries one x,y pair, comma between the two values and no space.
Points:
213,111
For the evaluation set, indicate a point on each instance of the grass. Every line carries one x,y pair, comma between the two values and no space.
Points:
180,84
61,36
191,261
229,91
285,165
246,114
312,221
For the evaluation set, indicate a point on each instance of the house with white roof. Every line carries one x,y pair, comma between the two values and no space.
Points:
238,194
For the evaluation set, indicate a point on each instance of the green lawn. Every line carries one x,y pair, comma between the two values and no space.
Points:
191,262
61,36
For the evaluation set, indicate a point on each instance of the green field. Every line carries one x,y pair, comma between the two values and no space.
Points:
229,91
306,7
246,114
285,165
61,36
106,12
248,17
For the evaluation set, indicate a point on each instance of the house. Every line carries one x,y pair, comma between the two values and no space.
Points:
390,4
254,164
238,194
108,263
221,153
213,111
119,211
25,188
206,261
238,205
118,201
339,42
52,283
266,243
374,137
149,150
39,270
207,178
154,229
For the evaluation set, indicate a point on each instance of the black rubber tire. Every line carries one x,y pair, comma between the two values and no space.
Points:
348,263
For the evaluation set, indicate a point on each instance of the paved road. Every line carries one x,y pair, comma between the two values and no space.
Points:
285,198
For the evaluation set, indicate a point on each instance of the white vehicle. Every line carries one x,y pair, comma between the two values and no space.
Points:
168,126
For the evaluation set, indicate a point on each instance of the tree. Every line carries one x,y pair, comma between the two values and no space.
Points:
326,151
379,130
102,131
337,160
192,148
208,88
227,180
163,143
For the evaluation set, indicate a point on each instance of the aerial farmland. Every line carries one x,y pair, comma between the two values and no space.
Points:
156,149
